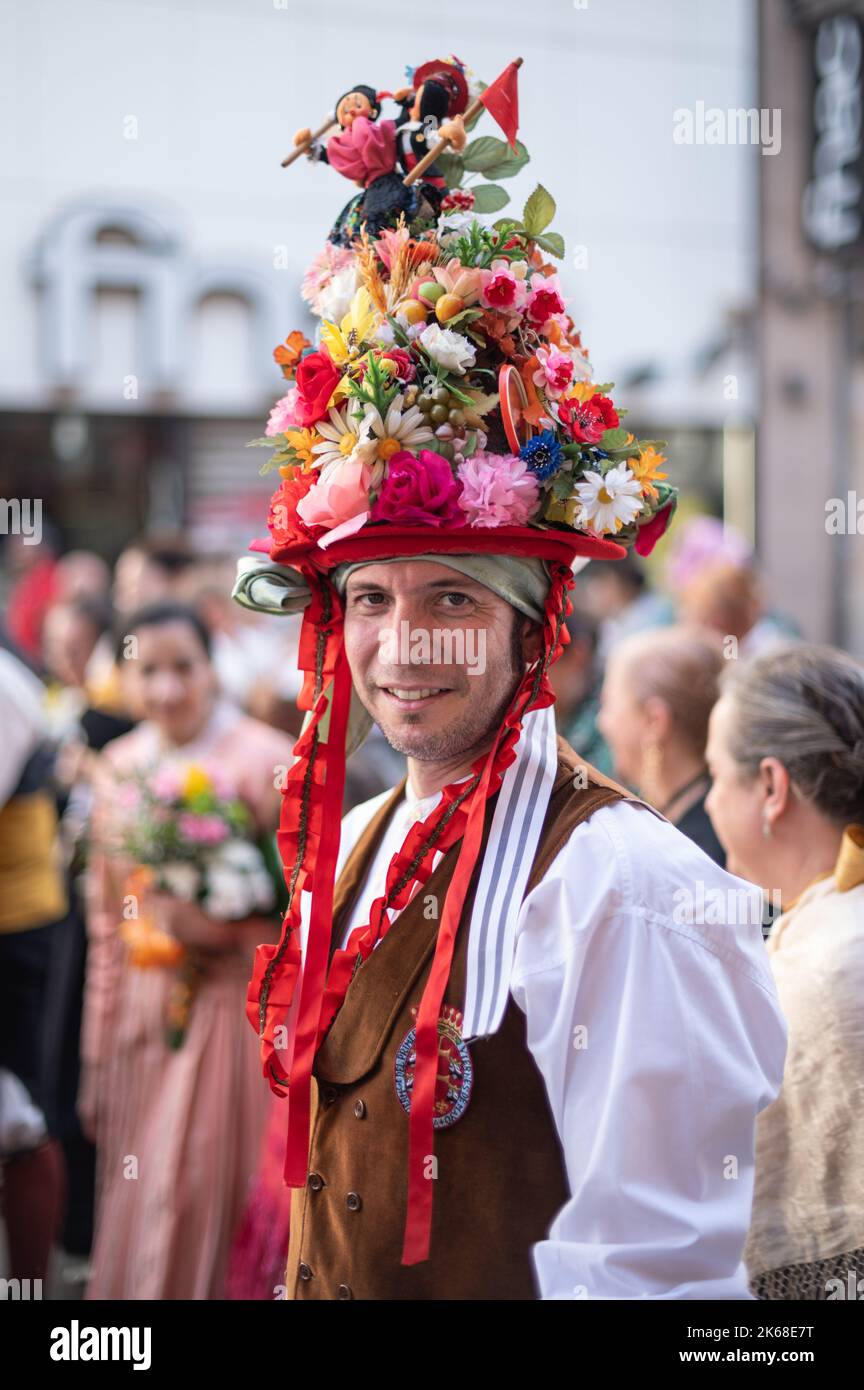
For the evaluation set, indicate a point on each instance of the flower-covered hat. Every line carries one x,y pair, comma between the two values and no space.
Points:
447,406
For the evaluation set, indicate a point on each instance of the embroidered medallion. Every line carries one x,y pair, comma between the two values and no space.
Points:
455,1070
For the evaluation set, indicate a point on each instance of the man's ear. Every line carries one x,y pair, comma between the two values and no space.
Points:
532,639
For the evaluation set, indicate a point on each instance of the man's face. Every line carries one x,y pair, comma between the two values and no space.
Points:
435,656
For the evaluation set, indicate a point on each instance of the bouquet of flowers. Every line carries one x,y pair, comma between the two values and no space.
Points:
450,388
190,835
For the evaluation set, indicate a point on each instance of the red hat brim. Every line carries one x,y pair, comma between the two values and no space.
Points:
451,77
386,542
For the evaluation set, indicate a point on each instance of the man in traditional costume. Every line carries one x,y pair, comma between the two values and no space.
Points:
520,1059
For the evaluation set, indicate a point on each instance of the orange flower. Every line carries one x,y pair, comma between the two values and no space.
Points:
534,411
645,470
288,353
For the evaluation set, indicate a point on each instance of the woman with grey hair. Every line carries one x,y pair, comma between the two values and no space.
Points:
786,754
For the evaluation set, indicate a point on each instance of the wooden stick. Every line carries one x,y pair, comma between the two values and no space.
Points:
423,164
316,135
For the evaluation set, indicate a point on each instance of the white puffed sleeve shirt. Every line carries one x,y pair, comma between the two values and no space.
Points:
653,1019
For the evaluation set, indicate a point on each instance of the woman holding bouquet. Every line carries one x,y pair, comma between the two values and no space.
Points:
179,895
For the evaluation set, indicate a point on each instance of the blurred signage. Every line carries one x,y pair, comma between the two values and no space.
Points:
833,202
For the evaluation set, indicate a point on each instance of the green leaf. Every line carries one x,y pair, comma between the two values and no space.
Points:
481,154
539,211
562,485
452,169
553,242
263,440
511,164
489,197
613,439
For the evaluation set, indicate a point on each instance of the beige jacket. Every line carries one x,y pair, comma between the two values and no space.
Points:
809,1195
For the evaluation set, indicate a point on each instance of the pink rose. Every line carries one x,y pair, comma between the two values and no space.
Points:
338,501
501,289
419,492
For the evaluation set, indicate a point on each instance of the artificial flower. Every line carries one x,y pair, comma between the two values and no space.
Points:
342,438
501,286
398,429
543,455
334,301
607,410
645,469
317,379
497,490
288,354
340,497
544,300
348,341
303,443
282,521
555,370
283,415
331,261
419,492
609,500
583,420
458,199
465,281
449,349
399,363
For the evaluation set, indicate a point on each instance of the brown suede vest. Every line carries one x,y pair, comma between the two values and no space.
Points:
500,1171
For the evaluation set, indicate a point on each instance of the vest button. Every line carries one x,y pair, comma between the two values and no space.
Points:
305,1272
316,1182
353,1201
360,1109
343,1291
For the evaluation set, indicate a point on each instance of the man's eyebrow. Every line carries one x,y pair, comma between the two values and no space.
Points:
368,586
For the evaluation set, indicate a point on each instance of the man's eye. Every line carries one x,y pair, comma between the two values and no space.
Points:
373,600
461,599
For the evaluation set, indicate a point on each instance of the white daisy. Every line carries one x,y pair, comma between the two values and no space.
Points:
398,430
344,438
609,500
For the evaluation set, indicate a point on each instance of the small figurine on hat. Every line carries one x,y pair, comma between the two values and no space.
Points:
375,154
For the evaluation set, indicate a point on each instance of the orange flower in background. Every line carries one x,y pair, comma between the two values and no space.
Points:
288,354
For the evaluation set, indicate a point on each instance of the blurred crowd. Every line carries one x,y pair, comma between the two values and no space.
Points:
151,1167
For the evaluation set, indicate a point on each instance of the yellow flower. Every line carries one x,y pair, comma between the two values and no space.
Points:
644,470
195,782
303,442
581,391
347,341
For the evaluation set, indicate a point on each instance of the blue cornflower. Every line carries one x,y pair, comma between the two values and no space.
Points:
543,455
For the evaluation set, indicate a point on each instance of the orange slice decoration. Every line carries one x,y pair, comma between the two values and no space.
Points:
513,400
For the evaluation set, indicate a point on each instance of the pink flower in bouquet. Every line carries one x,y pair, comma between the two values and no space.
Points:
545,299
166,783
282,415
556,370
458,199
497,490
128,797
339,500
419,492
502,289
203,830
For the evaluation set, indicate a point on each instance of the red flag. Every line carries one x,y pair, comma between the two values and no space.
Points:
501,100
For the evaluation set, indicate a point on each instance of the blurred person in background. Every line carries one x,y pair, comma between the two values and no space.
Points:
786,753
82,574
576,679
33,582
170,1070
32,907
621,600
149,570
658,692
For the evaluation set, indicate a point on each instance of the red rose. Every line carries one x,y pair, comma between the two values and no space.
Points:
317,379
607,410
283,523
419,492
